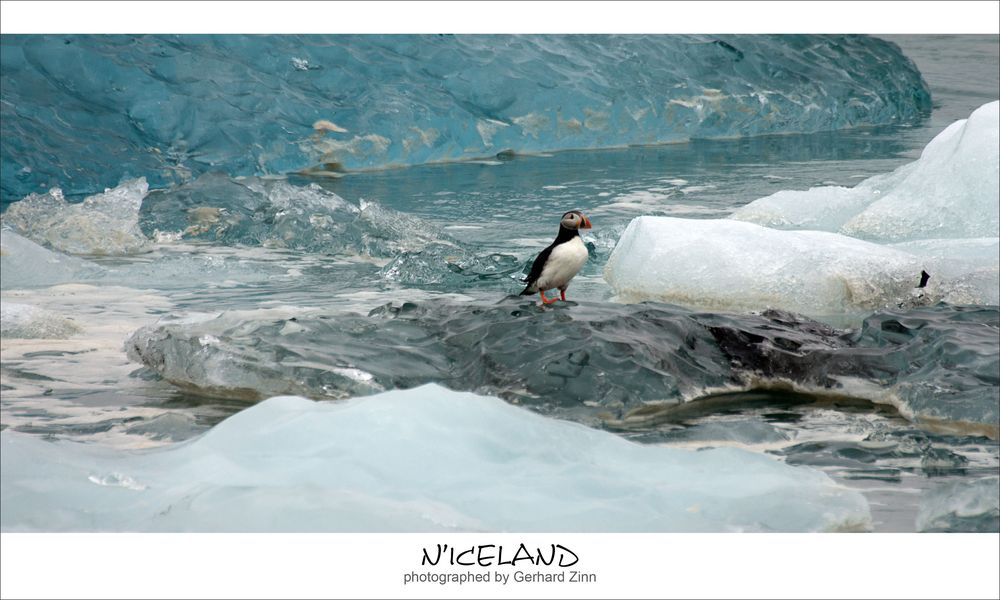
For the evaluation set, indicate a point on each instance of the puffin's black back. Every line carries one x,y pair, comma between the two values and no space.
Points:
564,236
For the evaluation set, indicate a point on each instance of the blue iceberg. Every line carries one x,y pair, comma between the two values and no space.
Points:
85,112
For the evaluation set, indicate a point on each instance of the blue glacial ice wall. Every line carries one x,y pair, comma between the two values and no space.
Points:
84,112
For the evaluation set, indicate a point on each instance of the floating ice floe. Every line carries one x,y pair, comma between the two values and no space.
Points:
271,214
426,459
250,211
723,264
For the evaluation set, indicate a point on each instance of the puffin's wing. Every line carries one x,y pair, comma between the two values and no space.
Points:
536,270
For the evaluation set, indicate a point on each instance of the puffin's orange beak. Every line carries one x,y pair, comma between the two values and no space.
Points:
586,223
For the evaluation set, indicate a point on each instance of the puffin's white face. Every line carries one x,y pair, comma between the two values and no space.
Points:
574,219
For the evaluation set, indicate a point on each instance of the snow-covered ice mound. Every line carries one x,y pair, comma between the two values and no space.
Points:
426,459
952,191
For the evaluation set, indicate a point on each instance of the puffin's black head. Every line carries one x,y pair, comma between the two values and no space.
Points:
574,220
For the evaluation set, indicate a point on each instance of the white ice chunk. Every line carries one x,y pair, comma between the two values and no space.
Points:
425,459
951,191
731,265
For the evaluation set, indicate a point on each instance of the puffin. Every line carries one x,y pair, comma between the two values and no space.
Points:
561,261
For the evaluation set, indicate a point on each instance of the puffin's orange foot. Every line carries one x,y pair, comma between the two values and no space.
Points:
562,294
544,299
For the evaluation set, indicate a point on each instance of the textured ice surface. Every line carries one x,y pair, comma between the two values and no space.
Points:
83,112
588,361
732,265
26,321
23,263
952,191
106,223
962,506
426,459
938,365
553,359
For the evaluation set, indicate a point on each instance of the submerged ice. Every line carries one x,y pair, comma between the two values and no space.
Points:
426,459
84,112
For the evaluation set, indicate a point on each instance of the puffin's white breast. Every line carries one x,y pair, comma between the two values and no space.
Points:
565,261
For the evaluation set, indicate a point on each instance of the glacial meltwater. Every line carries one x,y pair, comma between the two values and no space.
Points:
270,283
